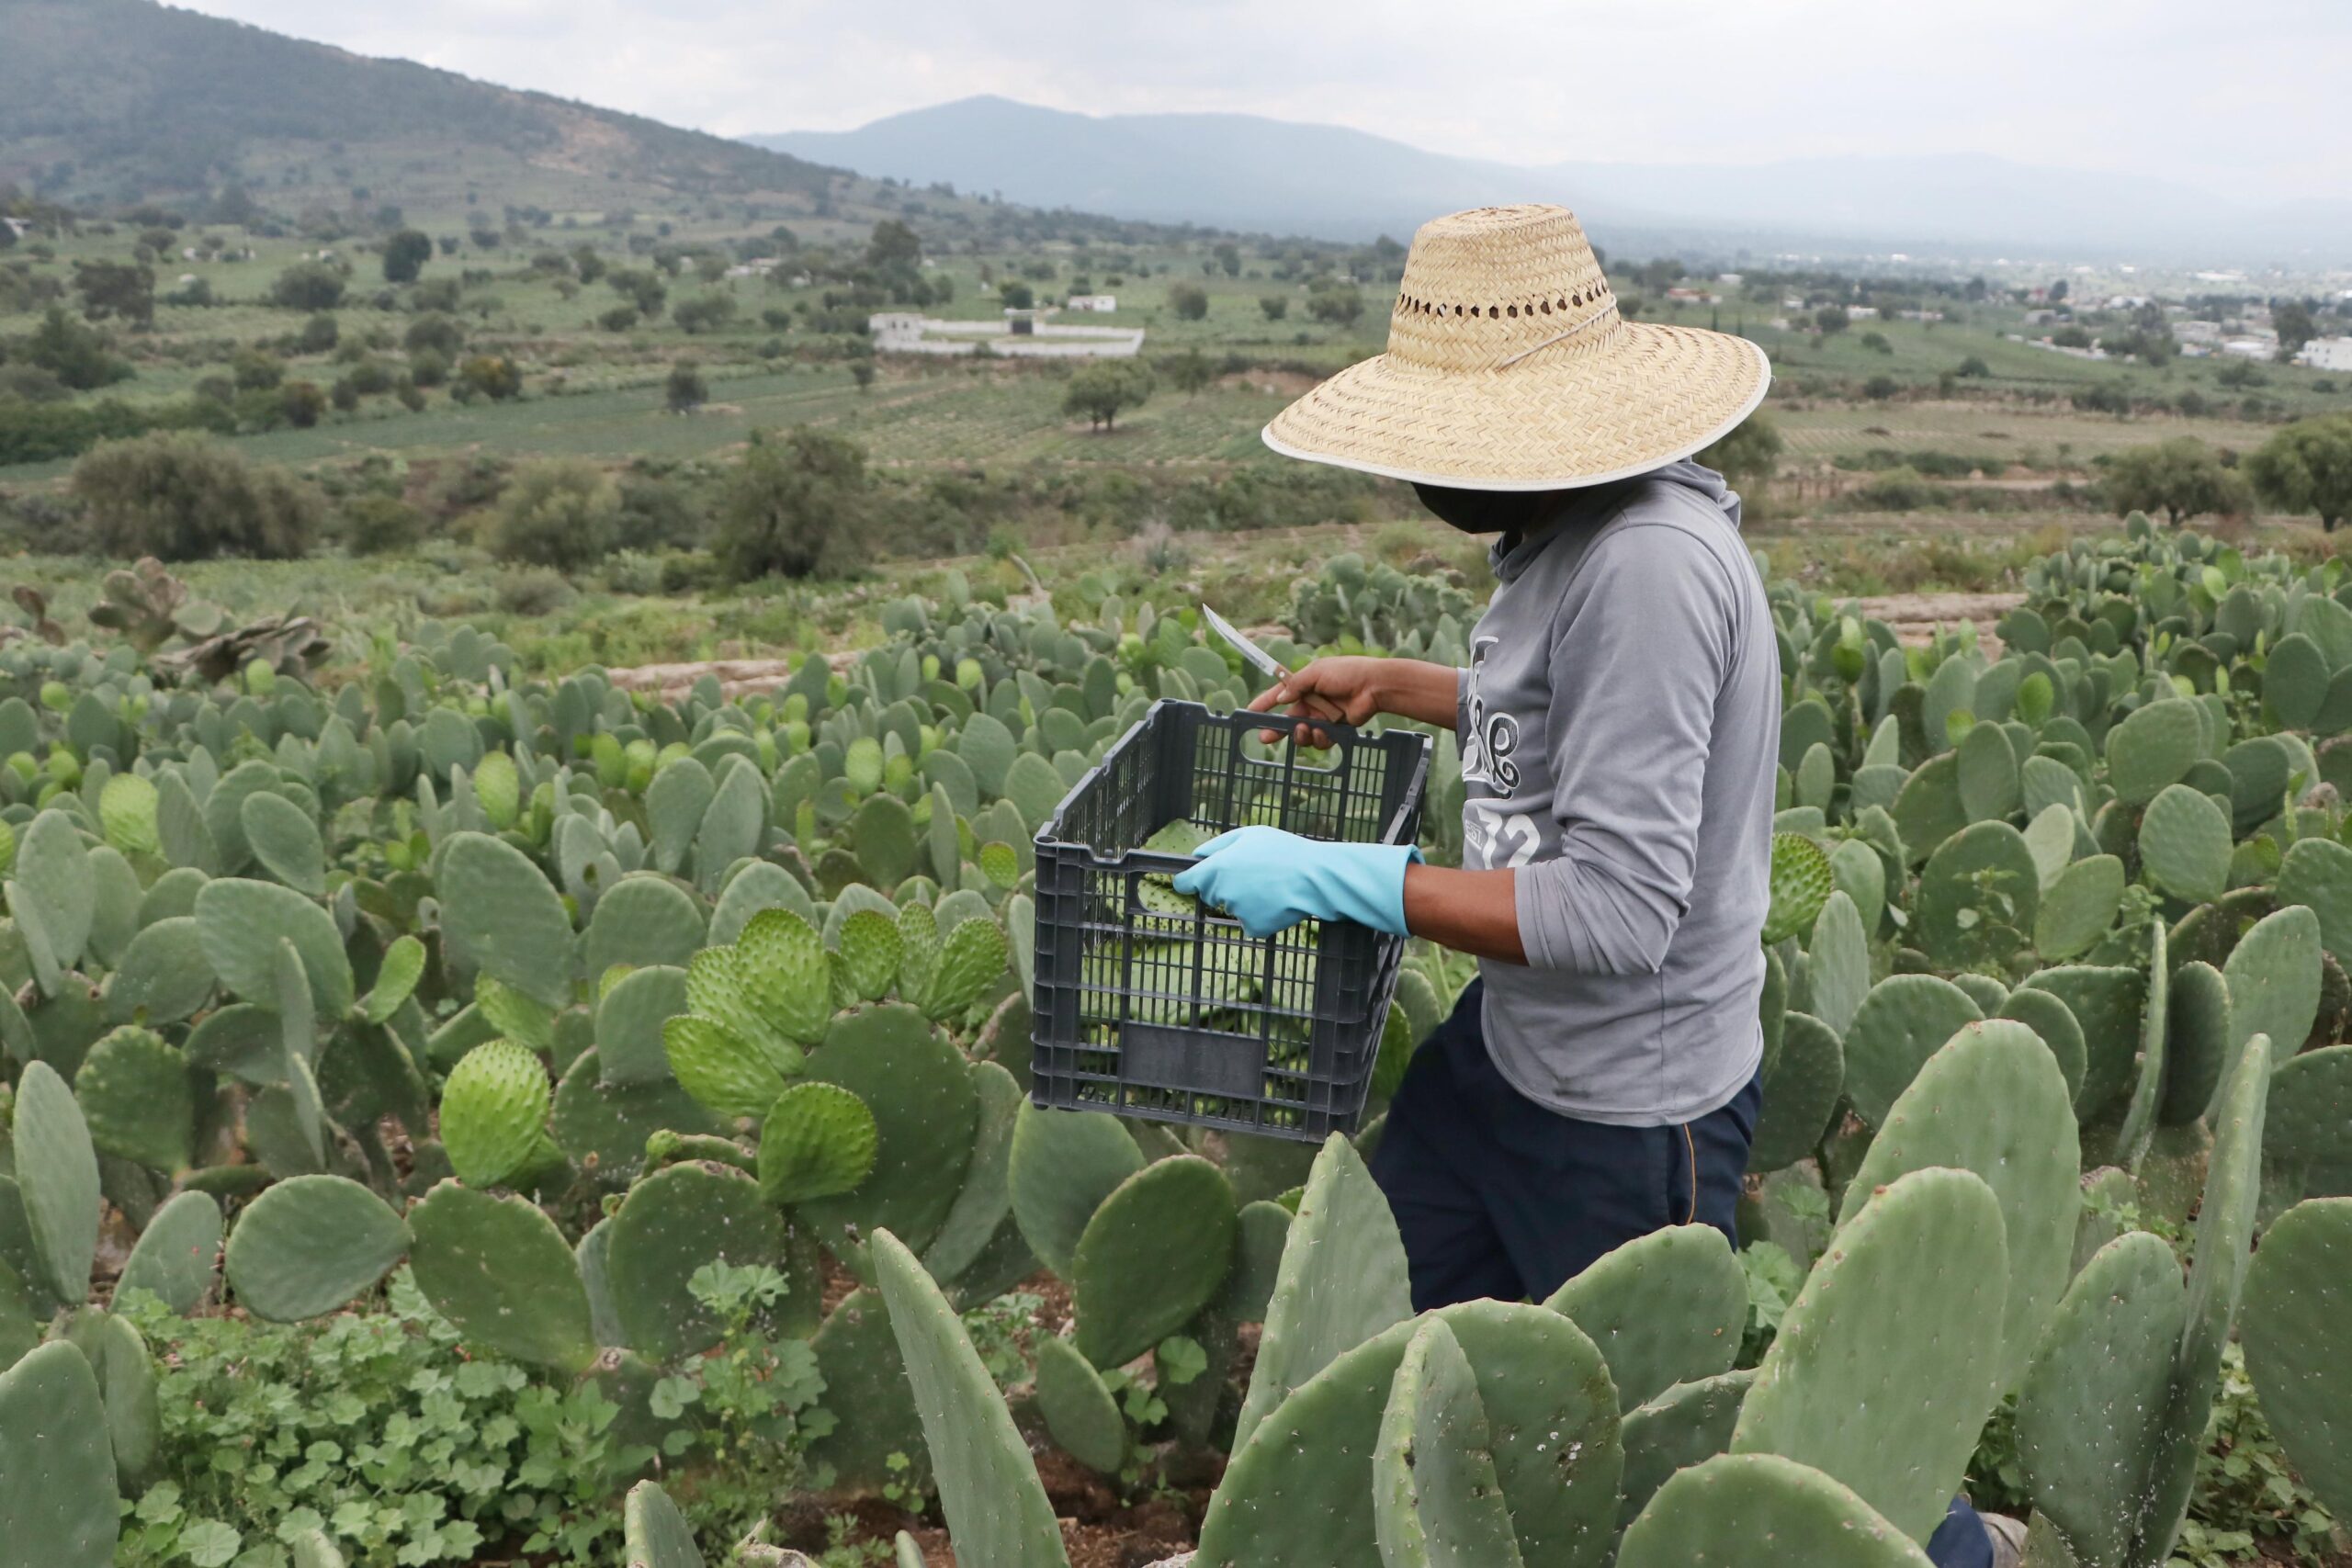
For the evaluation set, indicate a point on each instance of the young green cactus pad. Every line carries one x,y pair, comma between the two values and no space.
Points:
629,1019
971,959
1080,1411
1156,890
1978,896
1435,1498
178,1255
502,916
57,1179
673,1222
499,1270
125,1377
2274,979
495,1112
1891,1355
57,1466
1802,1089
2185,844
2225,1238
996,1507
1721,1510
1665,1308
1063,1165
1341,1281
869,952
1992,1101
286,841
719,1067
1152,1256
2298,1299
857,1355
655,1533
1687,1425
2199,1043
1801,882
2094,1397
780,959
983,1206
919,1089
309,1244
719,987
162,977
818,1140
1900,1024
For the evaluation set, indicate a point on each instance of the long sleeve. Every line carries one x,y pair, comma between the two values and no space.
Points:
1643,645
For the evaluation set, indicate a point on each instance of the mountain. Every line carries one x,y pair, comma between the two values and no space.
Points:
105,102
1250,173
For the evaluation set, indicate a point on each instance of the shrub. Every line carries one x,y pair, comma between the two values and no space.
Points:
492,375
308,285
1189,300
304,403
1274,306
443,335
2179,478
256,368
428,367
1102,389
174,498
563,513
686,391
619,319
534,591
378,525
319,333
2307,467
794,506
708,313
657,513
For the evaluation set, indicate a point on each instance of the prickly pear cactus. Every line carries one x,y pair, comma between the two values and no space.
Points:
57,1467
495,1112
1719,1511
818,1140
655,1533
1435,1498
1801,882
499,1271
309,1245
2297,1301
1664,1309
1080,1411
1151,1256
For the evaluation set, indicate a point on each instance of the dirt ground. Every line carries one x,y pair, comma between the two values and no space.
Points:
1915,616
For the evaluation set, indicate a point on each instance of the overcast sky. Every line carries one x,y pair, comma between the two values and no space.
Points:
2250,96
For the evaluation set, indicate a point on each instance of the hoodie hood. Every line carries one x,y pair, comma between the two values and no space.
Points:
1579,513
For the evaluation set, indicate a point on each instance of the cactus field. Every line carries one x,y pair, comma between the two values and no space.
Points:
549,1015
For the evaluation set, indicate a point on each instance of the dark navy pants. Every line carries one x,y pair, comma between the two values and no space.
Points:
1498,1197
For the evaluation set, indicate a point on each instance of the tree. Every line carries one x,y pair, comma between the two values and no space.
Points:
1102,389
686,390
893,243
1017,295
492,375
1274,305
2181,478
177,498
708,313
1228,256
308,285
564,512
1831,319
303,402
1189,300
2294,325
862,372
374,524
445,335
405,254
797,505
1189,371
1749,455
74,352
2307,467
1337,303
116,289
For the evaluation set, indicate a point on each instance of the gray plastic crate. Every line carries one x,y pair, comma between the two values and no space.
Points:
1184,1018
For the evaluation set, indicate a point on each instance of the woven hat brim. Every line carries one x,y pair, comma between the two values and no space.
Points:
1655,393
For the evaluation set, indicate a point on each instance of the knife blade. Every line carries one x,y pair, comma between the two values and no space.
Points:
1259,658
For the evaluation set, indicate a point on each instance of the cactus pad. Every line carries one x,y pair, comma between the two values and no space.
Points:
719,989
1978,895
925,1112
2078,907
2152,748
1891,1356
2311,1108
495,1112
501,915
642,920
983,1205
817,1140
655,1533
242,923
2298,1298
972,959
1718,1512
1665,1308
673,1222
57,1467
2106,1001
858,1358
138,1097
630,1017
869,952
309,1245
2274,979
2318,872
179,1253
1801,882
1080,1411
286,841
1063,1165
2185,844
781,960
988,1489
1903,1022
1801,1093
499,1271
1689,1424
57,1176
1993,1101
721,1071
1435,1498
1152,1256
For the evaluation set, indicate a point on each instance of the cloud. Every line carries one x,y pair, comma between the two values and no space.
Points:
2249,100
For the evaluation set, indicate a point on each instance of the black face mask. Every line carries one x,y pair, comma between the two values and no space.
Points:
1484,510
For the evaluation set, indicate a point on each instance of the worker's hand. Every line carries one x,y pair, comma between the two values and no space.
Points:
1270,880
1348,689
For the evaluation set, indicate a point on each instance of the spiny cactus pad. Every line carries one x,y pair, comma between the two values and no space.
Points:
721,1069
988,1489
309,1244
1718,1512
818,1140
57,1467
2093,1398
1891,1356
499,1271
1687,1425
1080,1411
1992,1101
673,1222
1152,1256
2298,1299
178,1255
920,1090
781,961
869,952
1063,1165
1903,1022
137,1096
1665,1308
1801,882
1342,1279
495,1112
57,1177
1435,1498
1801,1093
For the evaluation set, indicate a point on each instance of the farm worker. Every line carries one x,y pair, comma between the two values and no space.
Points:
1619,724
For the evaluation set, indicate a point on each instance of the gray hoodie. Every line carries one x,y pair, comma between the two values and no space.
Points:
1620,726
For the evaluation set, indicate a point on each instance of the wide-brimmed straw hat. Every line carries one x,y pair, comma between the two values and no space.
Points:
1509,368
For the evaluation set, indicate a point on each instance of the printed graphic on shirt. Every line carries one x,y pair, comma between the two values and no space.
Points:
1497,831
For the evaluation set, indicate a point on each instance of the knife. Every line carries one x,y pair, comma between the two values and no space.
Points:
1259,658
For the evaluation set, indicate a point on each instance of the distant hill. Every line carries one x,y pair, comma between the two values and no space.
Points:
1245,172
105,102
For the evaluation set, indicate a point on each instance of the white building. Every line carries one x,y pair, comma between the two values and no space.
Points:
2327,354
2251,347
1021,334
1101,303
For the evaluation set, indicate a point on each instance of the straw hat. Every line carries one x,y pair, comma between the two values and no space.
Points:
1509,368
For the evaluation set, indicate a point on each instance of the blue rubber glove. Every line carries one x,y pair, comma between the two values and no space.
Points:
1270,880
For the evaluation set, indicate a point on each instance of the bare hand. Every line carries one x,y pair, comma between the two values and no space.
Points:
1347,689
